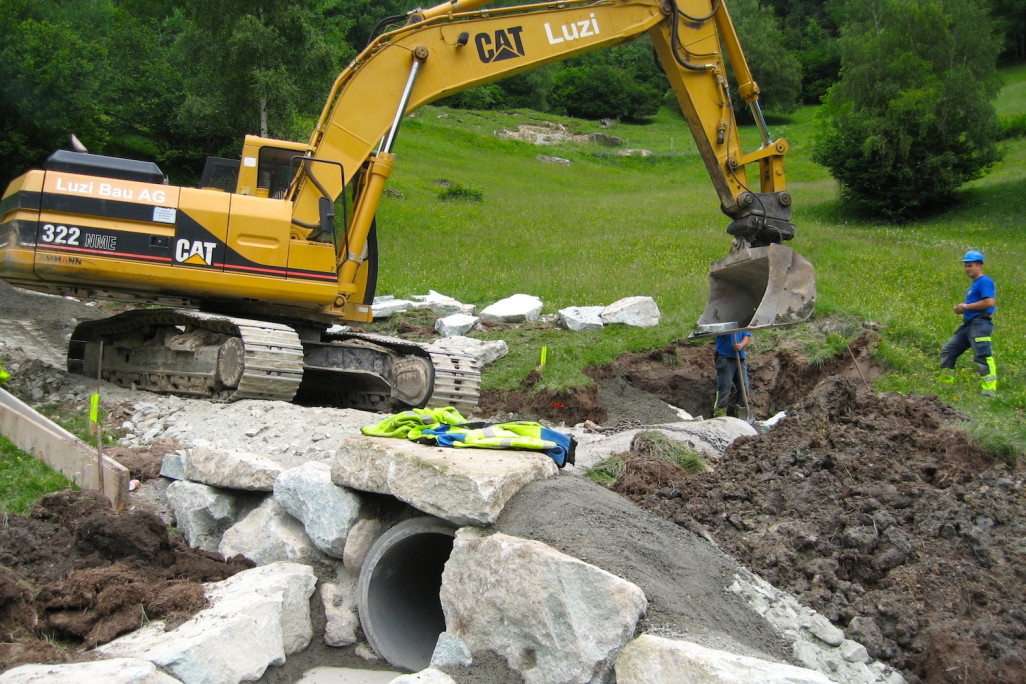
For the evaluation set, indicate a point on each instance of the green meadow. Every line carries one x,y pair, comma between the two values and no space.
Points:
607,227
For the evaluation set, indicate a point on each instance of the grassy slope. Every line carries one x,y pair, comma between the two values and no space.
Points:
608,227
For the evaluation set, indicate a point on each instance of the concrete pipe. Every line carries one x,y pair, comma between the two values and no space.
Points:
399,604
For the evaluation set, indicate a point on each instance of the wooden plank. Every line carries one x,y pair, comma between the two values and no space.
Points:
36,434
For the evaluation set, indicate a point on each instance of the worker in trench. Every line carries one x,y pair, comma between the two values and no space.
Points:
732,382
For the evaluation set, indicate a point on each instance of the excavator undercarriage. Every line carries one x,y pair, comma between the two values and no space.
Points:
213,356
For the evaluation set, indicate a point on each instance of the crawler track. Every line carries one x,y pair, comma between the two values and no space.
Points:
457,380
268,364
219,357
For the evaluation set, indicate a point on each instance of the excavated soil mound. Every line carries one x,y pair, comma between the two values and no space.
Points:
875,511
77,573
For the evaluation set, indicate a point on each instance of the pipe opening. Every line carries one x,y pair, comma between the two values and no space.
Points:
399,605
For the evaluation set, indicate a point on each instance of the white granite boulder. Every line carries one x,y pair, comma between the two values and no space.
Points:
554,618
658,659
463,486
519,308
256,618
326,510
640,312
455,324
581,318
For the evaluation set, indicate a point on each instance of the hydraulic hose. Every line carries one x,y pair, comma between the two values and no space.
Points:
675,42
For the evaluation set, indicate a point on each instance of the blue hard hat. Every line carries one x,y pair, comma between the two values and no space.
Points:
973,255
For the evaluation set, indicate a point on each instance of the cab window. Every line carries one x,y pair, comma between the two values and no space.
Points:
275,171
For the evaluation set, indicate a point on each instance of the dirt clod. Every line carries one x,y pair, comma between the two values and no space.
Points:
76,571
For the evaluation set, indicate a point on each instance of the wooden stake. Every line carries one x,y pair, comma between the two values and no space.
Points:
855,361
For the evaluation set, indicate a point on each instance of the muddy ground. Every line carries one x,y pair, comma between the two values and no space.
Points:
874,510
76,573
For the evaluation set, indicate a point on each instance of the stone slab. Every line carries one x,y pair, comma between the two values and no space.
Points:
466,486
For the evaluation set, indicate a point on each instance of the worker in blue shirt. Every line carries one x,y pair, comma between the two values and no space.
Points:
976,328
731,371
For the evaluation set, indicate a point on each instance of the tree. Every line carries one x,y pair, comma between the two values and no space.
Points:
821,62
53,80
145,87
776,70
1010,18
910,120
257,67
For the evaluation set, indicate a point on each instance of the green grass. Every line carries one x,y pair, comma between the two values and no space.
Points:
1013,95
608,227
24,478
648,443
607,471
77,422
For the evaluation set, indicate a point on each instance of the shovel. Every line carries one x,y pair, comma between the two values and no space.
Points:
746,414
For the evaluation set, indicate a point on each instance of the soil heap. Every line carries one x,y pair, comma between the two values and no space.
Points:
877,512
76,572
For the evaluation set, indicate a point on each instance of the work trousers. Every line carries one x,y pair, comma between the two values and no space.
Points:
729,376
973,335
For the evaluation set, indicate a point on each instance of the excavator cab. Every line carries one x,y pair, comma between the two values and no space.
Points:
757,287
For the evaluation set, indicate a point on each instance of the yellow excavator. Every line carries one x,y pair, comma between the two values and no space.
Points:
246,276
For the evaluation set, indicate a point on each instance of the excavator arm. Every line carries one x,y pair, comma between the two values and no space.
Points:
455,46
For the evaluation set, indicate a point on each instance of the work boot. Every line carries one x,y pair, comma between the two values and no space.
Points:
719,412
990,394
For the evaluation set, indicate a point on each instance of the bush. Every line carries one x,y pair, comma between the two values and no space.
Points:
602,92
458,193
910,120
489,96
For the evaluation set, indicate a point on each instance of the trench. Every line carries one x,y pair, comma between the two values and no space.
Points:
400,580
638,386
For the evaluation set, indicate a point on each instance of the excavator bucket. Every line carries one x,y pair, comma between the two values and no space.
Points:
757,287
